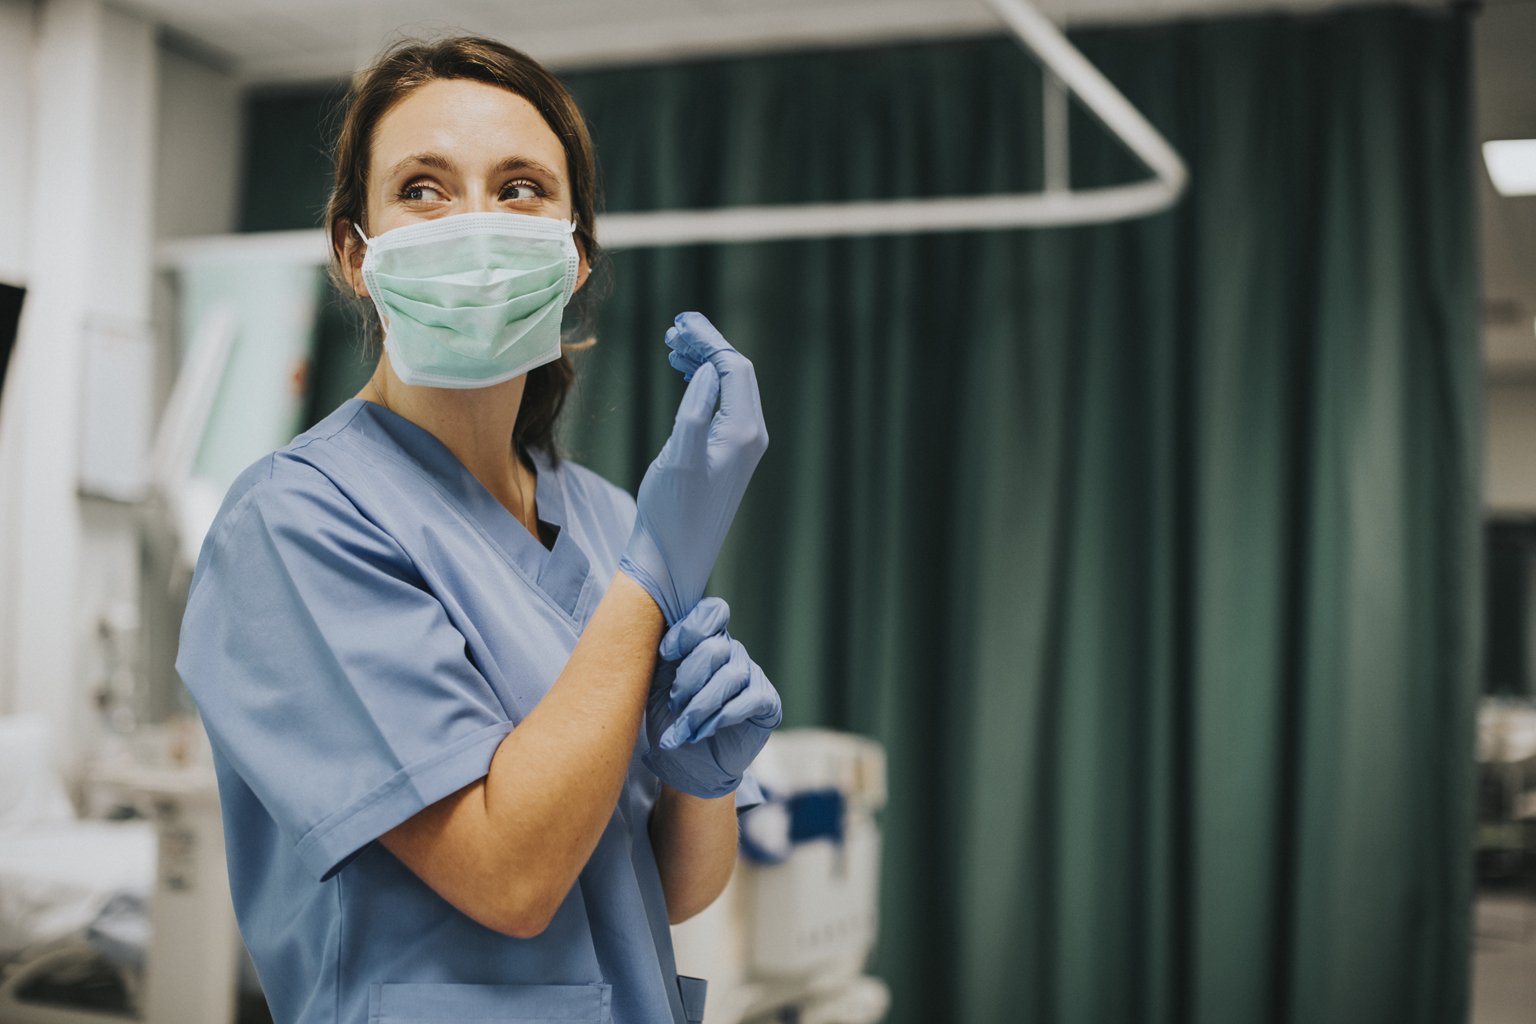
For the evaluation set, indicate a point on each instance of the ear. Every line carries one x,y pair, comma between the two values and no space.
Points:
583,268
349,250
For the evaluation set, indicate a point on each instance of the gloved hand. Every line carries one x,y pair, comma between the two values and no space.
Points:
711,708
692,490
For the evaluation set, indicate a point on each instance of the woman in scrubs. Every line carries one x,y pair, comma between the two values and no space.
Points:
479,735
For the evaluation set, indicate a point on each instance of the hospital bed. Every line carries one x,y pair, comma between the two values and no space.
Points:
69,889
73,902
132,916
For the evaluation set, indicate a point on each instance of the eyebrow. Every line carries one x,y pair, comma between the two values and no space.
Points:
444,164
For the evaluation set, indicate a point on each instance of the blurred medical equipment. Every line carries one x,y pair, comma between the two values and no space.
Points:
134,914
188,504
247,328
791,935
1506,828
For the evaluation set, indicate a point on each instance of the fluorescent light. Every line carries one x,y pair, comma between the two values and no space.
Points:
1512,165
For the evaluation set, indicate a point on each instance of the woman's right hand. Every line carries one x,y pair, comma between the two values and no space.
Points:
692,490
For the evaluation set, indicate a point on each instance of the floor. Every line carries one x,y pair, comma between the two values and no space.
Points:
1504,958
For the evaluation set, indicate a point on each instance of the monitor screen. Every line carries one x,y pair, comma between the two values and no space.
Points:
10,317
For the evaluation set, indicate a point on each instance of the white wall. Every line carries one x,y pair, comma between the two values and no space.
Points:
16,31
198,165
87,82
1509,469
126,139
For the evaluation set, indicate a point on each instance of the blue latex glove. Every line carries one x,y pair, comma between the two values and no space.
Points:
711,708
692,490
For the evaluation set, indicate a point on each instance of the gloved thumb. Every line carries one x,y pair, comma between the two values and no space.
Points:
708,617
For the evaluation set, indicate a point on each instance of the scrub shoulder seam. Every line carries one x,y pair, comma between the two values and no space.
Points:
309,440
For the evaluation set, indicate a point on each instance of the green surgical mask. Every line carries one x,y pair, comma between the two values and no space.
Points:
474,299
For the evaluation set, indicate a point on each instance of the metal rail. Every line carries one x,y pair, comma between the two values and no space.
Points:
1066,71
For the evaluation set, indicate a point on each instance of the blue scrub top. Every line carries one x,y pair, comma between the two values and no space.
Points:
365,624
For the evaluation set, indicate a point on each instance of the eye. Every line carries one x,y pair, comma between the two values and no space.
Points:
421,192
522,190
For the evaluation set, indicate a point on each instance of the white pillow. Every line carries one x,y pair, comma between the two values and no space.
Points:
31,792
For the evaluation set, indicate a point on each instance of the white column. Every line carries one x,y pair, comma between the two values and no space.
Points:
16,30
15,131
88,267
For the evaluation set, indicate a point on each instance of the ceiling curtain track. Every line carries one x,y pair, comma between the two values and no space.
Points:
1066,73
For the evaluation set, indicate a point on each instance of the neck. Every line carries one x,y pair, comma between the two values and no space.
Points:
475,424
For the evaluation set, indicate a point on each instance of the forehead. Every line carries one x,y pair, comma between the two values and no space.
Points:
475,123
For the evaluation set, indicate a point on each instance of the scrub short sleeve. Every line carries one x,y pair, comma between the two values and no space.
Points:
329,678
750,793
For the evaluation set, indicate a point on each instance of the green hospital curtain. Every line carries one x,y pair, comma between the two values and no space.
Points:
1150,551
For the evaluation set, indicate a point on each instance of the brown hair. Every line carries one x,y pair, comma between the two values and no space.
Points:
397,73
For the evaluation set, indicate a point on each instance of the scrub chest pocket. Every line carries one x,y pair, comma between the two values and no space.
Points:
515,1004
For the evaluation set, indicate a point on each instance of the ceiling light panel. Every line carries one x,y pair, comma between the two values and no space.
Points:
1511,166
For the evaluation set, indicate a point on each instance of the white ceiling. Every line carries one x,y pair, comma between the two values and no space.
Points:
285,40
271,41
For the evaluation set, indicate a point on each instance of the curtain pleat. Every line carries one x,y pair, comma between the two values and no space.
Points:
1148,550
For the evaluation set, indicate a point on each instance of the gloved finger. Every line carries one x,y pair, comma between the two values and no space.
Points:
674,737
699,340
759,705
697,409
682,362
698,668
727,682
758,701
694,337
708,617
684,365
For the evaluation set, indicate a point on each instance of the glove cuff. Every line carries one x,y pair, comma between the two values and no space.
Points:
640,553
705,784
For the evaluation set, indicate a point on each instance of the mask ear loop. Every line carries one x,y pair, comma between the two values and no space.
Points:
367,241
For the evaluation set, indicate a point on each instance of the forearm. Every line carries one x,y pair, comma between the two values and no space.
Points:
555,779
695,845
507,849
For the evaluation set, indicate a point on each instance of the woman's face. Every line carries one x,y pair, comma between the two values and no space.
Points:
461,146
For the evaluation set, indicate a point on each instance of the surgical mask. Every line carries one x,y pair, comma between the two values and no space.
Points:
472,299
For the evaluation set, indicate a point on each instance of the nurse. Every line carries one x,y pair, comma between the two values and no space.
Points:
479,736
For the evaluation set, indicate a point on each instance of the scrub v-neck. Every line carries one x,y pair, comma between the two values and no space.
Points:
560,571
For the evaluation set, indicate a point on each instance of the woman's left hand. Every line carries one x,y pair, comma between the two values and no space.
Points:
711,709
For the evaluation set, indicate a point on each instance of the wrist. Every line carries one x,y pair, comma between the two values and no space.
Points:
692,771
671,797
635,595
643,565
